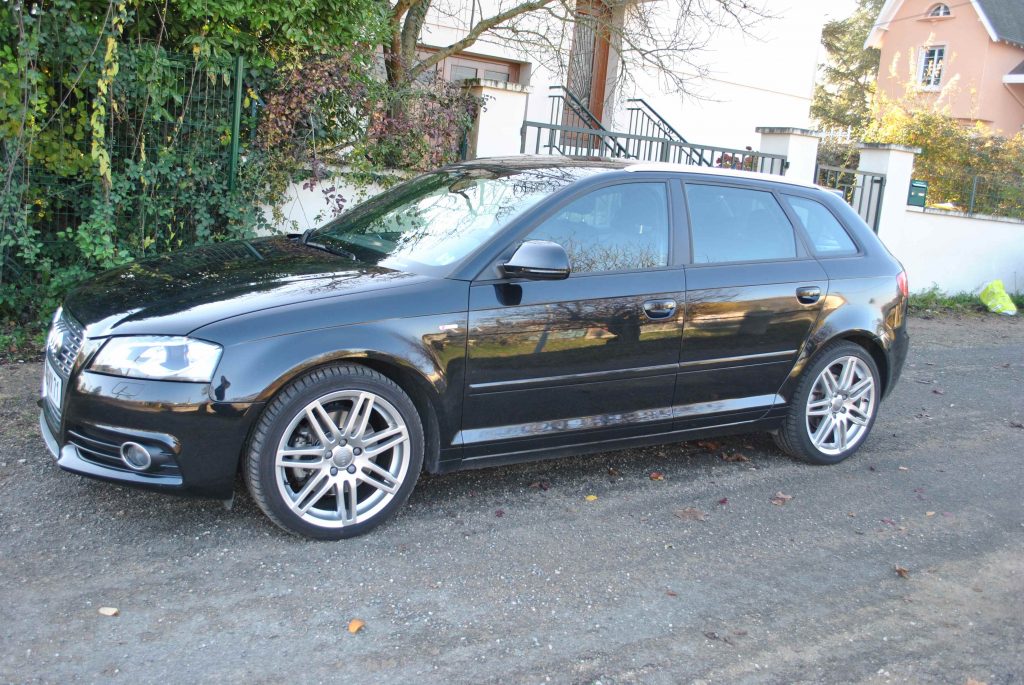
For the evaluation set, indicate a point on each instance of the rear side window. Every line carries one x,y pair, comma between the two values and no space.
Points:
737,225
826,233
621,227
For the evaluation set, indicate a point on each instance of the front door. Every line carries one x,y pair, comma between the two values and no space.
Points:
588,358
753,294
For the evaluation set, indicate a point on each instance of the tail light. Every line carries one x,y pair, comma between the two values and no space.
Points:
901,281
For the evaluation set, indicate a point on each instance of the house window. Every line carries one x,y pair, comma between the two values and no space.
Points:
940,10
461,73
461,67
933,60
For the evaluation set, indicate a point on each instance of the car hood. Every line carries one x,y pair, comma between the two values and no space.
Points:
176,293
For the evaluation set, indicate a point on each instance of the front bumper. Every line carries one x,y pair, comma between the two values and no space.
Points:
196,442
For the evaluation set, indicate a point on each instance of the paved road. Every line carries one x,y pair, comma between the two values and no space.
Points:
484,579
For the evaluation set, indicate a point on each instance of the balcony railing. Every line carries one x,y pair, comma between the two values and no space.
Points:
557,139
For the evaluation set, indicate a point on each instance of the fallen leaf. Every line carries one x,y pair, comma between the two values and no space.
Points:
109,611
723,501
657,475
735,457
499,513
590,498
670,593
709,445
851,514
355,625
780,498
938,391
929,514
888,522
612,471
712,635
902,572
871,468
903,468
691,514
540,484
740,632
972,681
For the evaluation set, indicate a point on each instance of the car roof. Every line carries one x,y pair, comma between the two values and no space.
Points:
524,162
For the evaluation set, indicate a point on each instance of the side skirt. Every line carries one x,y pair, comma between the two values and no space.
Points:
769,423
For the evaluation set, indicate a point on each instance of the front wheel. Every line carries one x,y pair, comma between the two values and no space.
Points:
336,453
834,406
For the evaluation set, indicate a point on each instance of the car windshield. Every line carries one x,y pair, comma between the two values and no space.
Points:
437,219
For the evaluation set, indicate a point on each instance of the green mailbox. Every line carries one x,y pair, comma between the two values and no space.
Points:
918,193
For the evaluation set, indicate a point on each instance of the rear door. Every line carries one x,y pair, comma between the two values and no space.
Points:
594,356
753,294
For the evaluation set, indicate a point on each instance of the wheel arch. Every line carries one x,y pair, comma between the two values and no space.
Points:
411,380
872,343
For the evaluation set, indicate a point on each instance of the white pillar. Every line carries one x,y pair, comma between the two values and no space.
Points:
799,145
897,163
496,132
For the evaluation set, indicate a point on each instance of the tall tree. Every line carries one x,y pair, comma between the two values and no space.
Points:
664,38
843,98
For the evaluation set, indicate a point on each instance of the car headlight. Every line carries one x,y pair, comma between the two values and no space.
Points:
158,357
55,338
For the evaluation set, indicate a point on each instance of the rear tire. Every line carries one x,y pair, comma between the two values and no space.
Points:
336,453
834,406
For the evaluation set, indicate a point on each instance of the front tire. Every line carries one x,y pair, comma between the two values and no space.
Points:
336,453
834,406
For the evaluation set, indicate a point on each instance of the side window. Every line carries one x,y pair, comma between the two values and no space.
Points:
826,233
737,225
617,228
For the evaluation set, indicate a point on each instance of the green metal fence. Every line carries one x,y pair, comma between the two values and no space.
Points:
979,194
173,130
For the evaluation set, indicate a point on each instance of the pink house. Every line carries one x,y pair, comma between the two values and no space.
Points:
967,56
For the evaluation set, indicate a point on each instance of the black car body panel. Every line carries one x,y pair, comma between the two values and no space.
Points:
501,369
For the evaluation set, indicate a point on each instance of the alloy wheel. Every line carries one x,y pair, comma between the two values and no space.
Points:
342,458
840,405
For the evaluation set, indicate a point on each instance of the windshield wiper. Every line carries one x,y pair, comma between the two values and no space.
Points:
333,250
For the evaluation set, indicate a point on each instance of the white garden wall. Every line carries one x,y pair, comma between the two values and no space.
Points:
955,252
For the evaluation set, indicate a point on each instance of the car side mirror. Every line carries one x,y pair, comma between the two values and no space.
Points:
538,260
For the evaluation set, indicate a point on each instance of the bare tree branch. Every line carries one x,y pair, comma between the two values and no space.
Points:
668,39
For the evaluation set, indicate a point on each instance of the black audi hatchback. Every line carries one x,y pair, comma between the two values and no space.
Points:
494,311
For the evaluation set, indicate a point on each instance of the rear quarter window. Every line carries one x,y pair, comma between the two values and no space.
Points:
828,237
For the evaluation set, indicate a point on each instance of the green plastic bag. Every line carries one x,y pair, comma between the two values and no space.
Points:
995,298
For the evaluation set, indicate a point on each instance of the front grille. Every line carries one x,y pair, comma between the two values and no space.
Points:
63,355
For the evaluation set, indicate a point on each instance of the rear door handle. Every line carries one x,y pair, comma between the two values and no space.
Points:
659,309
808,294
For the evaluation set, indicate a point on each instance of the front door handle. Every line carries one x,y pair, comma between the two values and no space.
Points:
659,309
808,294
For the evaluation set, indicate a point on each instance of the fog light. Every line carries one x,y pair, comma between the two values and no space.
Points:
136,456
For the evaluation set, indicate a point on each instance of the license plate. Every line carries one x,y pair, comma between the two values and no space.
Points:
53,387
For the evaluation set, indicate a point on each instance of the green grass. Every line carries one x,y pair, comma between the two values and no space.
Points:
934,300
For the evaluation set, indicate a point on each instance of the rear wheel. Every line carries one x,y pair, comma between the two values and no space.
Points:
834,406
336,453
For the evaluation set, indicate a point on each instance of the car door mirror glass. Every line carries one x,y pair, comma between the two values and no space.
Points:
540,260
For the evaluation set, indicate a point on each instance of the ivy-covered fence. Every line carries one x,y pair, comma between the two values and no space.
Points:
131,155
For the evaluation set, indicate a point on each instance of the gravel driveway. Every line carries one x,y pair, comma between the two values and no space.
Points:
513,575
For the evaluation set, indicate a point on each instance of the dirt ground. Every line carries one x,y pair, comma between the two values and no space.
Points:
487,577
